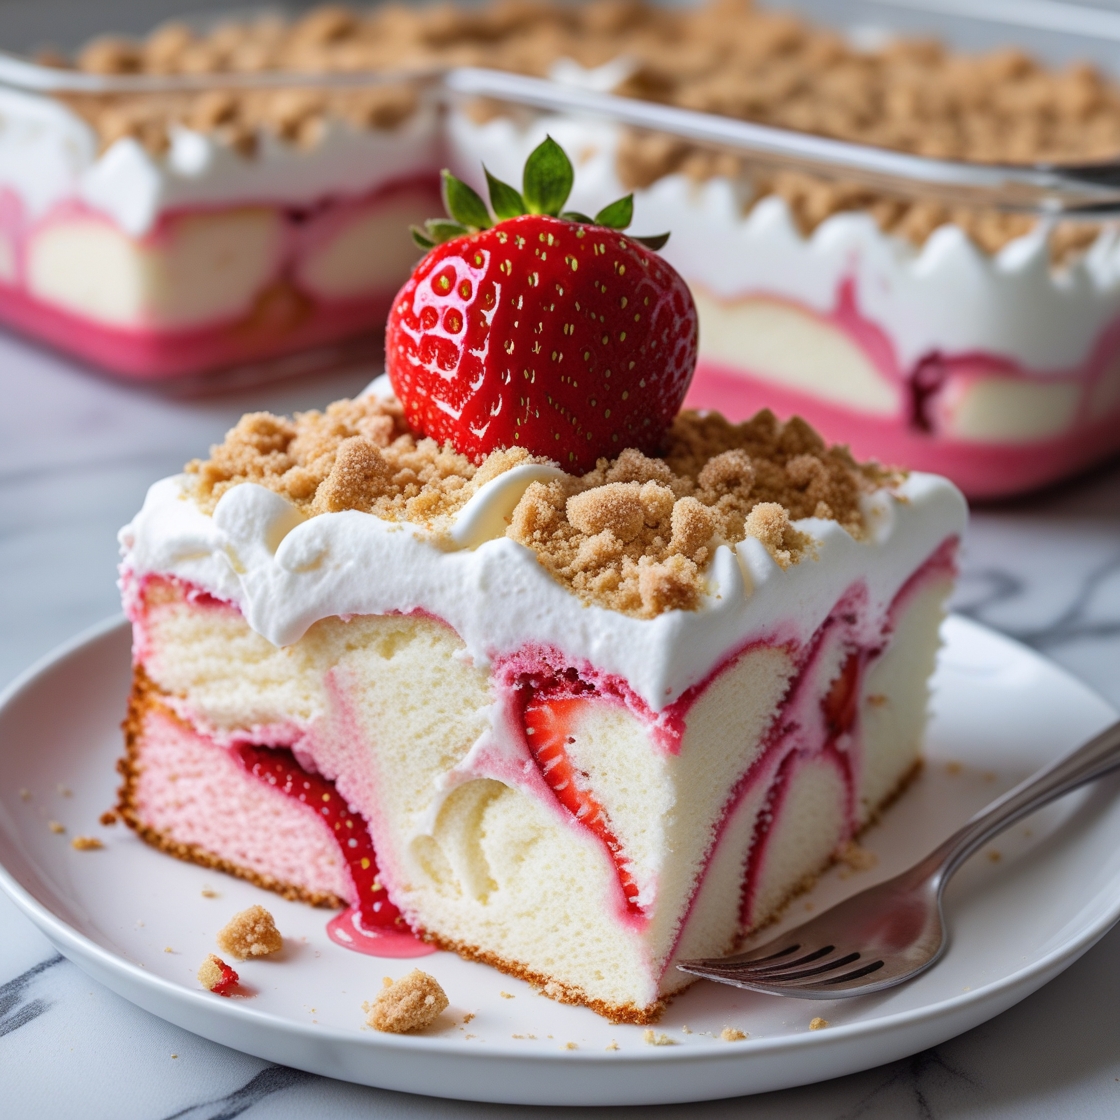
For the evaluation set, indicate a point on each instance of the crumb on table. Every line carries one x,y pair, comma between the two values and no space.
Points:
411,1003
86,844
252,933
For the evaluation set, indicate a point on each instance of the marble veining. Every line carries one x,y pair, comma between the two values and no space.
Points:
76,455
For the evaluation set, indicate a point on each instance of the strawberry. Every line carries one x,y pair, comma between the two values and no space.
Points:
546,724
544,329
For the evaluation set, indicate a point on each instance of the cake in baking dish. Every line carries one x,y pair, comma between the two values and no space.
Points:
509,656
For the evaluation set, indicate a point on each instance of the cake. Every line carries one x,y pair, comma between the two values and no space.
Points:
507,656
984,345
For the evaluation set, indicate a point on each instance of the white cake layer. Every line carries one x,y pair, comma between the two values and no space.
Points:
476,848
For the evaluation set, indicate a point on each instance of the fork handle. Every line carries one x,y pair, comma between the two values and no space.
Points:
1092,760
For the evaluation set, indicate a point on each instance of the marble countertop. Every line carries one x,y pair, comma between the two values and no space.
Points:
76,456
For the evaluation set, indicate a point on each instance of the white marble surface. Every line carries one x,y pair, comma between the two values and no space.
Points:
76,455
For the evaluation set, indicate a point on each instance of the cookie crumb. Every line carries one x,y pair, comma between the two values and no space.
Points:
468,1017
56,827
216,976
109,817
733,1034
857,857
411,1003
251,933
818,1024
506,995
570,1046
654,1039
86,844
612,1045
207,892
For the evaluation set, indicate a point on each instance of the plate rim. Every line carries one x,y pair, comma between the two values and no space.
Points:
83,950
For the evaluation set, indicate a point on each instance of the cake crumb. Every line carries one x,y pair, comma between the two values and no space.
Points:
732,1034
109,817
654,1039
818,1024
168,949
570,1046
25,795
995,856
612,1045
208,892
251,933
86,844
217,976
857,857
56,827
411,1003
686,1030
506,995
953,768
468,1017
65,791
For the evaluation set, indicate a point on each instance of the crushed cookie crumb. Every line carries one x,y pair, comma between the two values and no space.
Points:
251,933
652,1038
635,535
86,844
732,1034
411,1003
857,857
109,817
56,827
217,976
818,1024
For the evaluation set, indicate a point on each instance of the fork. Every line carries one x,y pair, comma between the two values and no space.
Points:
894,931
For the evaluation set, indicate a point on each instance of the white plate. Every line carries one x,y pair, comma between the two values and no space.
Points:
1018,914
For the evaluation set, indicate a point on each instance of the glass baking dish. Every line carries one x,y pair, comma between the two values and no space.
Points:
946,314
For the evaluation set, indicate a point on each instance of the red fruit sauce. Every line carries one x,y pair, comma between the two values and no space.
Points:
548,704
375,925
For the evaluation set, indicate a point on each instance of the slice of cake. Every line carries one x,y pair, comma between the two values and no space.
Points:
575,723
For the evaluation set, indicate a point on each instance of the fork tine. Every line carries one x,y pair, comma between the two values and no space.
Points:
759,967
804,974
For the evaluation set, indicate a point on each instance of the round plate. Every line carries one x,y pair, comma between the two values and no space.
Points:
141,922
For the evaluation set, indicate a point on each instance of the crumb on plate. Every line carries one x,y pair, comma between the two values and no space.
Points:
411,1003
818,1024
251,933
216,976
86,844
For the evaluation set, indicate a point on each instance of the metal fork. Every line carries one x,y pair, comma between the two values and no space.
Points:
891,932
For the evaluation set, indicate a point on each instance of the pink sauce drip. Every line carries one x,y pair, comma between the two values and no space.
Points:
375,925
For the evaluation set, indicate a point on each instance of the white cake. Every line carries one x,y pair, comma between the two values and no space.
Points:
578,777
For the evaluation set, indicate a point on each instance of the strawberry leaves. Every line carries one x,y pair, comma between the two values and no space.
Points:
545,185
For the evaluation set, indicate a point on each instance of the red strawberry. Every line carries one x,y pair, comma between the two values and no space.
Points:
546,724
548,331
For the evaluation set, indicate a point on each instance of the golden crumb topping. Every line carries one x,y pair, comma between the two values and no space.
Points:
726,57
635,535
411,1003
251,933
358,454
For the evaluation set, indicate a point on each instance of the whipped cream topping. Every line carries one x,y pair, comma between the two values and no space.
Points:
285,572
946,296
48,155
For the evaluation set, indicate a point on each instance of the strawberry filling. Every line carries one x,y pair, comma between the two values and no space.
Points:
549,706
277,767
